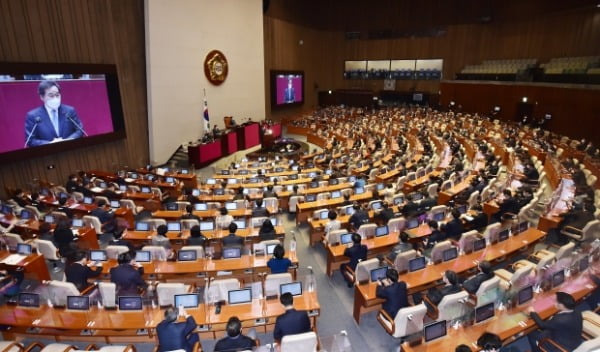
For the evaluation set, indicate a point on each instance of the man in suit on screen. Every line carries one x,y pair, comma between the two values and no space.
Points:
289,95
52,122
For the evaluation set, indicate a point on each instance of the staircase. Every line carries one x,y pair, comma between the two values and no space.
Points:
179,159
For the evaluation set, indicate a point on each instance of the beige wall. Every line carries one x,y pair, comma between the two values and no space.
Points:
179,35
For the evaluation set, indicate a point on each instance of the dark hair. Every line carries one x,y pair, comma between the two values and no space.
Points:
258,203
195,231
392,274
232,227
189,208
462,348
45,85
171,314
162,230
332,215
433,224
45,227
565,299
278,251
223,211
455,213
101,202
356,238
451,276
507,193
124,258
485,267
404,237
286,299
79,255
234,326
489,341
267,226
62,200
118,232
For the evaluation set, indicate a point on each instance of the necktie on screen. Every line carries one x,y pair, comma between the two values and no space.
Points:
55,122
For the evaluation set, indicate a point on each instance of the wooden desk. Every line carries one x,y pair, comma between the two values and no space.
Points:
411,186
365,299
304,210
445,197
34,266
417,233
376,245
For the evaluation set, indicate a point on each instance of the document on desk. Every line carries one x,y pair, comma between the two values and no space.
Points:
96,189
13,259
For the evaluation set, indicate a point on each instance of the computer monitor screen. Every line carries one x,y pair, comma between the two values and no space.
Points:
479,244
24,248
503,235
376,205
77,223
412,223
87,200
184,171
211,181
273,220
133,175
295,288
381,231
189,300
523,226
186,255
398,200
295,167
253,180
145,189
232,181
525,295
293,177
241,224
290,188
231,206
416,264
271,248
224,172
313,185
311,174
232,253
323,215
219,192
484,312
334,181
200,206
174,226
584,263
439,216
26,214
278,169
97,255
243,172
143,256
115,204
30,300
7,209
352,179
462,208
380,186
122,188
558,278
336,194
349,210
378,274
172,206
207,225
411,176
239,296
417,196
142,226
359,190
169,179
63,195
434,330
130,303
49,219
311,197
78,302
450,253
195,192
346,238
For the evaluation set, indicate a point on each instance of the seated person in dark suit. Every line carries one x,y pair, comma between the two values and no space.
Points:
357,252
127,275
35,201
435,236
235,341
491,343
291,322
509,205
119,241
64,237
196,237
403,246
189,215
480,219
176,336
45,233
278,264
485,273
10,283
385,214
79,271
269,192
564,327
576,217
266,231
72,184
64,209
410,209
359,217
232,239
110,193
259,210
101,213
454,228
393,292
531,173
452,286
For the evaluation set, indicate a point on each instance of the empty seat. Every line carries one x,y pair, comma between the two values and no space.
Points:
272,282
306,342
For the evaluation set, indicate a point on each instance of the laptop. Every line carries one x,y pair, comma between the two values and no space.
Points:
417,263
323,215
378,274
232,253
97,255
271,248
170,180
503,235
88,200
115,204
232,181
145,190
174,227
376,205
439,216
195,192
184,171
211,181
219,191
558,278
398,200
186,255
239,296
359,190
313,185
346,238
241,224
434,330
462,208
49,219
188,300
130,303
479,244
295,288
484,312
143,256
172,206
24,248
381,231
311,197
273,220
77,223
142,226
450,253
334,181
200,206
28,300
336,194
207,225
231,205
412,223
349,210
78,302
525,295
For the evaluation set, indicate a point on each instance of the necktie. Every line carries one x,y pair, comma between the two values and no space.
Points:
55,122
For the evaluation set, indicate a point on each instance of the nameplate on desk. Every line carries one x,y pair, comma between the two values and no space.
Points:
13,259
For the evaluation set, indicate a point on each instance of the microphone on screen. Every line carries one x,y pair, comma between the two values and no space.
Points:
70,117
37,121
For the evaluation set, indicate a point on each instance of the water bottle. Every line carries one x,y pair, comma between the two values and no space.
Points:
310,280
293,242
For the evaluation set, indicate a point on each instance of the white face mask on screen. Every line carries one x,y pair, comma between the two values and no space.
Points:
53,103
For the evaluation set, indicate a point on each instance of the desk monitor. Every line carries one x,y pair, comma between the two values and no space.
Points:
293,176
231,205
558,278
376,205
446,186
295,288
174,226
219,191
478,244
417,263
150,177
170,180
63,195
143,256
523,226
97,255
584,263
7,209
239,296
133,175
334,181
411,176
381,231
421,173
349,210
123,188
78,302
224,172
311,197
398,200
28,300
380,186
525,295
130,303
26,214
295,167
434,330
232,253
207,225
115,204
359,190
188,300
200,206
352,179
186,255
88,200
484,312
278,169
243,172
503,235
311,174
336,194
145,190
346,238
462,208
378,274
439,216
450,253
172,206
417,196
77,223
142,226
412,223
24,248
271,248
49,219
211,181
290,188
195,192
324,215
184,171
241,224
253,180
232,181
313,184
273,220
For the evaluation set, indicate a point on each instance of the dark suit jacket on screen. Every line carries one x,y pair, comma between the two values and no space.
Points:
44,132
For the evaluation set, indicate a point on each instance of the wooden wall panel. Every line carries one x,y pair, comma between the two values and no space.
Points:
81,31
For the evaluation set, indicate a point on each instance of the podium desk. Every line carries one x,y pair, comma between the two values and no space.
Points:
203,154
34,266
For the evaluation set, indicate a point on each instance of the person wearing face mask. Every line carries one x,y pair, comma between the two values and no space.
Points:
53,121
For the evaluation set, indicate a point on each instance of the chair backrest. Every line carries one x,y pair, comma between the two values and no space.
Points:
34,210
438,249
367,230
396,225
93,221
592,345
158,252
317,213
293,202
465,243
488,291
218,290
258,221
155,223
112,252
400,182
166,292
129,204
491,232
47,249
591,231
105,199
108,292
77,196
436,210
409,320
271,202
272,282
452,306
363,269
432,190
59,290
446,185
199,250
565,251
472,201
12,240
401,261
181,205
187,224
334,236
520,277
324,196
305,342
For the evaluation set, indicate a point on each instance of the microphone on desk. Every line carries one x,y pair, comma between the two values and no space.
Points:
70,117
37,121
